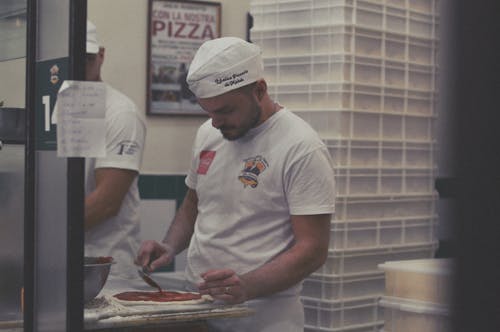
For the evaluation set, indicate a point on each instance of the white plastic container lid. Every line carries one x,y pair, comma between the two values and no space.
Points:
414,306
439,266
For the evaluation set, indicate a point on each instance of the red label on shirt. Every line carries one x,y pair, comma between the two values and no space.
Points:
206,158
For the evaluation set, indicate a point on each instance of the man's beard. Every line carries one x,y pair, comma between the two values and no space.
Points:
245,127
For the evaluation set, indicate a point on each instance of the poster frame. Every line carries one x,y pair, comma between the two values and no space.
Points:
184,35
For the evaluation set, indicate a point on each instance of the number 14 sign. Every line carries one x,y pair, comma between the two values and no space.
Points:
50,75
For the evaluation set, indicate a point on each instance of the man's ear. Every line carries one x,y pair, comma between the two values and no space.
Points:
260,89
101,52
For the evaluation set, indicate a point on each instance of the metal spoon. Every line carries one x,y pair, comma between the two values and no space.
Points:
147,278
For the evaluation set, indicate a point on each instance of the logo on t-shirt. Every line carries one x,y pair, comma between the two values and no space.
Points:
127,148
251,170
206,158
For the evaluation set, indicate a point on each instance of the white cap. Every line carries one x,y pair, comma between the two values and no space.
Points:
92,44
224,64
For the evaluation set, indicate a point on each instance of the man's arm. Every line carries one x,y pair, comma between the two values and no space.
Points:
308,253
152,254
112,184
182,228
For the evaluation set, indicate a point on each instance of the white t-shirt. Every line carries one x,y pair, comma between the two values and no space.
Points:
248,188
125,137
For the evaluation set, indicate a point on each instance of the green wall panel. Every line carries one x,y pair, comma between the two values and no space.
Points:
168,187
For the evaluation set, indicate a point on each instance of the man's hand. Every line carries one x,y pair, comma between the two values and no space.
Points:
224,285
152,255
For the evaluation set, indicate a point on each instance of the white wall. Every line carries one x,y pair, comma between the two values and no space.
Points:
122,30
12,82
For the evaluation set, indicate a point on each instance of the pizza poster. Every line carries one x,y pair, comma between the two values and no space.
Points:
177,29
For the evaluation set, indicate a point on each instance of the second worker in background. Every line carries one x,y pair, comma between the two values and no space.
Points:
111,193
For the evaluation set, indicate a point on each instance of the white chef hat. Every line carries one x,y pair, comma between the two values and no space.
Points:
224,64
92,44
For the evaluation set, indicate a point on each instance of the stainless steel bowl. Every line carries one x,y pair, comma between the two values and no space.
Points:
96,271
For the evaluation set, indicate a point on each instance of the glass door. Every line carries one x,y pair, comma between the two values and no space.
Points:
12,155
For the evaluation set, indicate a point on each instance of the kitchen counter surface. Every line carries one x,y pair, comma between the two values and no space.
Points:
105,314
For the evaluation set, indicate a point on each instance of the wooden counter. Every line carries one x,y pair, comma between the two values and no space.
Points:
171,322
192,321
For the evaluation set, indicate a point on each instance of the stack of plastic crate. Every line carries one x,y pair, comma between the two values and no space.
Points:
362,73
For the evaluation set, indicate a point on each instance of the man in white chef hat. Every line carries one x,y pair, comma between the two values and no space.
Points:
261,193
112,195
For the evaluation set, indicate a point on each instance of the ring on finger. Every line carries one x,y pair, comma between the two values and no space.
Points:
227,289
